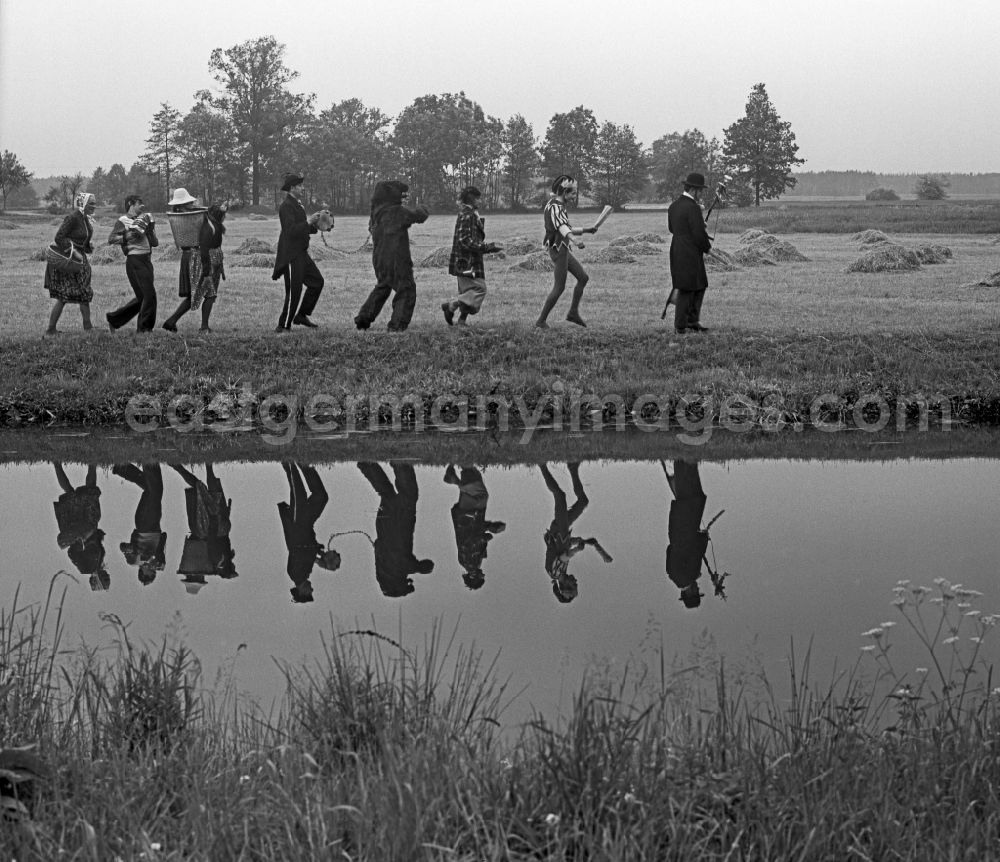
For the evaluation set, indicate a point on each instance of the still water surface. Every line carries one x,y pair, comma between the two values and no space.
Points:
804,551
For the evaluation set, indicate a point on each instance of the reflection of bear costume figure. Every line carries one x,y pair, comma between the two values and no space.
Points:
146,547
389,225
472,531
78,513
688,542
395,524
207,549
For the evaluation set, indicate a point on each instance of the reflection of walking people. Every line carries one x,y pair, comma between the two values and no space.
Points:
472,531
560,543
687,540
75,233
146,547
558,239
78,514
307,498
207,548
136,233
395,524
688,247
468,246
389,224
292,261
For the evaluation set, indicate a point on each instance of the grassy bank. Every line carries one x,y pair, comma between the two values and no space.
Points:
384,751
781,335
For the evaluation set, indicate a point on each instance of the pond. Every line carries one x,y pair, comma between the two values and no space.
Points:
554,568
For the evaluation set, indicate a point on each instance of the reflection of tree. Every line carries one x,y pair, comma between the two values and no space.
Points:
472,531
560,543
395,524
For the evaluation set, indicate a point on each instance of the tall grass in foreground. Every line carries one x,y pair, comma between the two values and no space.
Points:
385,752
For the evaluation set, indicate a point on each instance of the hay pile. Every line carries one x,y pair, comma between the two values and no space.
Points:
753,256
257,217
870,237
886,257
537,261
107,254
989,281
37,255
621,240
261,261
252,245
519,245
750,235
8,225
437,258
640,248
720,261
766,245
933,253
616,254
654,238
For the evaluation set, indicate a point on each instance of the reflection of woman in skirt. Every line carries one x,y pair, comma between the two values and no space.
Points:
76,231
200,279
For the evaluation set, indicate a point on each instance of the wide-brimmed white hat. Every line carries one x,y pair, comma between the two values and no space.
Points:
180,197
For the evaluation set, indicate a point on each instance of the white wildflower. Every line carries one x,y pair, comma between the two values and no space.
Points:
631,799
551,819
244,779
973,613
963,606
950,640
976,640
868,649
506,763
887,625
903,582
873,633
921,670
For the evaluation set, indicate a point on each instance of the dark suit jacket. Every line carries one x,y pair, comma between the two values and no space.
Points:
689,245
294,237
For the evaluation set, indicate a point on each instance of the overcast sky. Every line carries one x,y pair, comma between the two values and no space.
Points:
883,85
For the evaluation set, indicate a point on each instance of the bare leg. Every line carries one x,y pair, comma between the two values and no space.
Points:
206,312
57,309
85,315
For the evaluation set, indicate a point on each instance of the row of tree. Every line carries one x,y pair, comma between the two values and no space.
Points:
239,139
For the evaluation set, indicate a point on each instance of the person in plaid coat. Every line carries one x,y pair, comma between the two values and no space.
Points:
467,249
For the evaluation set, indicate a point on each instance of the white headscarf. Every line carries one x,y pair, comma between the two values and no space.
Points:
80,203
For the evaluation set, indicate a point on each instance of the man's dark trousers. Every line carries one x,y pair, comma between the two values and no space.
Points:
687,310
139,270
301,271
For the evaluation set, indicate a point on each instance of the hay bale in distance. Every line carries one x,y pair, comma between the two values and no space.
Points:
750,235
640,248
933,253
8,225
519,245
886,257
989,281
753,256
718,260
37,255
622,240
614,254
654,238
437,258
869,237
252,245
107,254
261,261
537,261
257,217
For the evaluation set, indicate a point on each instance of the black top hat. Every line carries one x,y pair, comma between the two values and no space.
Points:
292,180
696,181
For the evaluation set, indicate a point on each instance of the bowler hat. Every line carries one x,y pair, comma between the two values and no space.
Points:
292,180
695,180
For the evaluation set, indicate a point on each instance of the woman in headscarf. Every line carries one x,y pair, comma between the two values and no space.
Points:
76,232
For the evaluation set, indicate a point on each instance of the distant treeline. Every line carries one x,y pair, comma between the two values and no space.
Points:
859,183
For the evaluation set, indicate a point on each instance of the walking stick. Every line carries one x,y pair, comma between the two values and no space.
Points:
720,195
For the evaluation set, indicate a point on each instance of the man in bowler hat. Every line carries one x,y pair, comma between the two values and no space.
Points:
293,262
688,247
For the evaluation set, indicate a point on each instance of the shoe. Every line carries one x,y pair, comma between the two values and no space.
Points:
281,329
302,320
682,331
167,325
697,327
206,329
107,317
359,323
541,324
449,313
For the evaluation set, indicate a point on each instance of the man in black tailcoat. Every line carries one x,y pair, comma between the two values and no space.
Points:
688,247
292,261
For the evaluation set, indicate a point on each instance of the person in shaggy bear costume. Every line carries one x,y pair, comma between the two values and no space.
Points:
389,225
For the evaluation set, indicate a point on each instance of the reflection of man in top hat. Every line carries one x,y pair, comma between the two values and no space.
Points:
472,531
207,548
560,543
298,521
146,547
688,247
395,524
292,261
688,542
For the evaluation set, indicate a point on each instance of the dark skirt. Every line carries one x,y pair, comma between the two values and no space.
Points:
69,286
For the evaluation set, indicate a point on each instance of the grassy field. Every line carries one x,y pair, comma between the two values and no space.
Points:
390,751
788,332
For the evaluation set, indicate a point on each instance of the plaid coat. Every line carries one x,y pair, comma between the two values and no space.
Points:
468,244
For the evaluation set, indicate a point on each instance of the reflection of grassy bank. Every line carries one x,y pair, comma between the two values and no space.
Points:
381,752
99,446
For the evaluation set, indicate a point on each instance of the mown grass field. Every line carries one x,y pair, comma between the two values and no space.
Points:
795,329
